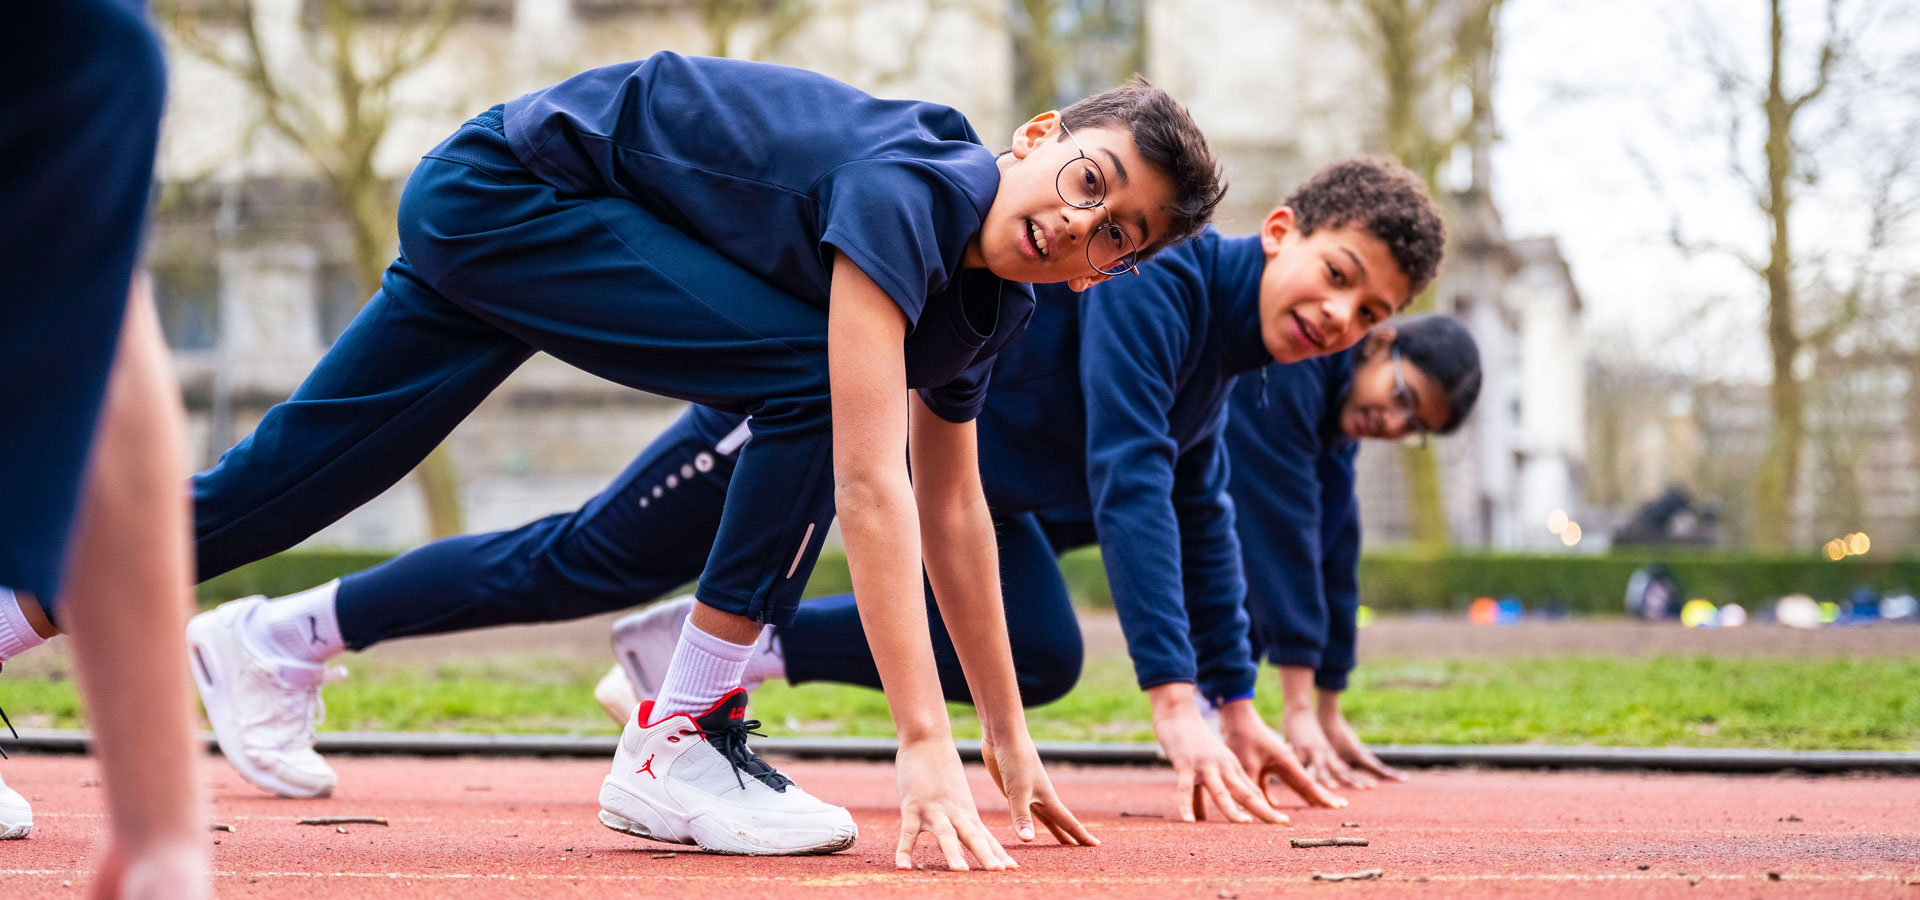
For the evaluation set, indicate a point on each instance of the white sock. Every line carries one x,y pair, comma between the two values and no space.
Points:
301,628
704,669
767,662
16,634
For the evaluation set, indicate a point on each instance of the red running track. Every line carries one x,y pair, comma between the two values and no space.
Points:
491,828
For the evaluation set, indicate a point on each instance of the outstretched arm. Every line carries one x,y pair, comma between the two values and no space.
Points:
866,364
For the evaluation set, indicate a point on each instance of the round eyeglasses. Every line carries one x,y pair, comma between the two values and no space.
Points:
1082,184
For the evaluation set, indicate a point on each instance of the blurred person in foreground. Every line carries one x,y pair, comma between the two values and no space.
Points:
93,523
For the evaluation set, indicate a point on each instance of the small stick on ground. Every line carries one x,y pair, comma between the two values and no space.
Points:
219,826
1362,875
1134,815
344,820
1304,843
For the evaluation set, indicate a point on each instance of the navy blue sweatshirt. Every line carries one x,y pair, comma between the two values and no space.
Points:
1115,399
1297,515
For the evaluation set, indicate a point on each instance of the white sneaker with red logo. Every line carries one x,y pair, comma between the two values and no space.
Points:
16,816
692,780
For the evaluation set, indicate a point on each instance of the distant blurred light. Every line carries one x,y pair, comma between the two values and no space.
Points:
1836,549
1697,613
1557,521
1797,611
1858,544
1484,611
1570,535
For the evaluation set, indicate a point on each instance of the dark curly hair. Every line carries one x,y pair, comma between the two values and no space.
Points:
1381,196
1167,139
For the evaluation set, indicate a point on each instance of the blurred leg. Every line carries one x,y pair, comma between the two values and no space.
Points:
126,599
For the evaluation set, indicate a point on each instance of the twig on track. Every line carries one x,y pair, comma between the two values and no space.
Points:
1362,875
1304,843
344,820
220,826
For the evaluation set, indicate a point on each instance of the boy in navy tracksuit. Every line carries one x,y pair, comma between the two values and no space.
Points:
1115,396
93,528
1300,525
679,225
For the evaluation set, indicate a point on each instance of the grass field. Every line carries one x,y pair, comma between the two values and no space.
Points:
1697,701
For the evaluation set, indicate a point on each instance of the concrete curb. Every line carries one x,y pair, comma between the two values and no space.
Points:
1676,759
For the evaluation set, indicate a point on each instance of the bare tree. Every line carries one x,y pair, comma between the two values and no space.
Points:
330,94
1064,49
1422,50
1793,148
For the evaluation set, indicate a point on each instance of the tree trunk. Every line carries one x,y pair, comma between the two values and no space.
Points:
1779,476
371,215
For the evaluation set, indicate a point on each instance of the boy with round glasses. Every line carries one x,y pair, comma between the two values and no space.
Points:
1115,397
741,236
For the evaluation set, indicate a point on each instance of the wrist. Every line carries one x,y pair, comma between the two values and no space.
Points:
1296,690
1238,715
1328,705
1175,698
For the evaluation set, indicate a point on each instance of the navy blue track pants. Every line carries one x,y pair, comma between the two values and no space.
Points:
495,265
646,534
82,84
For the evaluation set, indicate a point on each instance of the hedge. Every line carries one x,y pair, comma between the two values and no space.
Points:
1390,581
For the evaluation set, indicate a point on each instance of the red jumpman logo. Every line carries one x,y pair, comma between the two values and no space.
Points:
647,767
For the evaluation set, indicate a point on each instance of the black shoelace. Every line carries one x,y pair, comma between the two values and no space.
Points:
16,734
731,741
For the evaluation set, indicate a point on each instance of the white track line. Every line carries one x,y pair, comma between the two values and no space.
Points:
1013,877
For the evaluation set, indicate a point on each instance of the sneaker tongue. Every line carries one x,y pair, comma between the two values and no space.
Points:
732,708
726,727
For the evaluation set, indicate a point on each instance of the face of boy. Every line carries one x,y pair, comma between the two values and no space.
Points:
1320,293
1379,405
1033,234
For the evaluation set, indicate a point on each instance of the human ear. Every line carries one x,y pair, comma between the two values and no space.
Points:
1033,132
1082,282
1378,340
1277,225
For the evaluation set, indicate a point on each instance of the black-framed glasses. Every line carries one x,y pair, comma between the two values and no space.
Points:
1407,406
1082,184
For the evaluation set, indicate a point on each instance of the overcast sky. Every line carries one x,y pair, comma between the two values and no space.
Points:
1610,130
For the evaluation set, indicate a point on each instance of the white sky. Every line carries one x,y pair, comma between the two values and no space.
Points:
1609,130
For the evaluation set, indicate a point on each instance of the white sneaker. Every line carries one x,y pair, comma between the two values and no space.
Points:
615,693
263,712
692,780
16,816
643,644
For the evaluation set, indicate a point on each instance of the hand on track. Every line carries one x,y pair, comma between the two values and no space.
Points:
934,799
1204,767
1016,770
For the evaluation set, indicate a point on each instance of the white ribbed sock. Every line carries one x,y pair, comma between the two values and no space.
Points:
299,627
704,669
767,662
16,634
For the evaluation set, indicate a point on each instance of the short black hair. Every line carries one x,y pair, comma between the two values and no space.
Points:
1384,198
1444,349
1169,140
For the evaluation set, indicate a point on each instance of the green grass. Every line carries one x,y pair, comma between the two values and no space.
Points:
1866,704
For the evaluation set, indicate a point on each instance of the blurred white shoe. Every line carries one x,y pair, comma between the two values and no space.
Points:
643,644
616,695
16,816
263,711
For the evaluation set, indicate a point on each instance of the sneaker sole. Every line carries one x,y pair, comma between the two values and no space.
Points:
201,634
707,837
